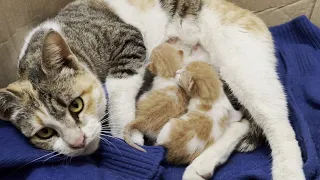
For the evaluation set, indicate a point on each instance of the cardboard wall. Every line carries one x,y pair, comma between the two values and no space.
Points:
17,17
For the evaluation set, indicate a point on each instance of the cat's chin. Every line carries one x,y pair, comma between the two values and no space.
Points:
91,147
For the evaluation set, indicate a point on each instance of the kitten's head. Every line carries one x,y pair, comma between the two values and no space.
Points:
199,79
165,60
57,102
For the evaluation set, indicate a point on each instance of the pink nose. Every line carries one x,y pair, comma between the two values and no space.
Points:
79,143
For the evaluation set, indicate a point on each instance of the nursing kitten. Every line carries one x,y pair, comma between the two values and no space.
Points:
163,101
58,100
209,114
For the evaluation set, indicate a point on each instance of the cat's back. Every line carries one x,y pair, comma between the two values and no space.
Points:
83,14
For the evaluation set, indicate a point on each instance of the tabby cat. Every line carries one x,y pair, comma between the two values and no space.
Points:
58,98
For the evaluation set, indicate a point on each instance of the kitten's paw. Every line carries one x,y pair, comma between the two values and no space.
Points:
137,138
198,170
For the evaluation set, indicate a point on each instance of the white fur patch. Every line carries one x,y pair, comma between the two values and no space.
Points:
195,144
164,135
122,97
161,83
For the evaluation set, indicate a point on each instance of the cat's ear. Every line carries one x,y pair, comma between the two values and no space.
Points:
9,103
152,68
56,54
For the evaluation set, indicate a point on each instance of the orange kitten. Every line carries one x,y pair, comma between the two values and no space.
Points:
209,114
165,100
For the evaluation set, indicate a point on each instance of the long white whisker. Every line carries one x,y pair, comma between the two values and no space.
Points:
33,161
108,142
51,157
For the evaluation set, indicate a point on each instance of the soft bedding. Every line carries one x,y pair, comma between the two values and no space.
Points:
298,53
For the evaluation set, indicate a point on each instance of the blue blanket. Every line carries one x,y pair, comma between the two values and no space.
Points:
298,52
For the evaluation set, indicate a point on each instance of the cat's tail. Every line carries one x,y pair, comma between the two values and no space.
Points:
131,131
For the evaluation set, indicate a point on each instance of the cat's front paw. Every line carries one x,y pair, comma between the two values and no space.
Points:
137,138
197,171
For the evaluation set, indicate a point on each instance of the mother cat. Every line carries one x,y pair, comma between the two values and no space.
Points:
58,99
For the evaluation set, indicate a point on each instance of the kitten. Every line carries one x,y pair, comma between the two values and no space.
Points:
209,114
163,101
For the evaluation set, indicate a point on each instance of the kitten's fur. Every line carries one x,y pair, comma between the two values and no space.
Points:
242,51
68,57
209,114
164,100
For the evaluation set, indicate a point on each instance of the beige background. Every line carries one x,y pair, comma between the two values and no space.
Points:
17,17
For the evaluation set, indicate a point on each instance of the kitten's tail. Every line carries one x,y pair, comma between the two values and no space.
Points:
129,130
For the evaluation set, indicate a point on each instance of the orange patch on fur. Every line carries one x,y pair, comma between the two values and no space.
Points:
235,15
143,5
39,120
183,131
165,60
206,82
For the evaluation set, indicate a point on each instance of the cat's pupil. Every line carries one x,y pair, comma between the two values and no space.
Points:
45,131
75,105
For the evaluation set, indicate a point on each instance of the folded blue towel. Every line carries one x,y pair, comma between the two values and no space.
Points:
298,52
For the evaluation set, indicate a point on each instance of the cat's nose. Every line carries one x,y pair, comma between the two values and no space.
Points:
80,142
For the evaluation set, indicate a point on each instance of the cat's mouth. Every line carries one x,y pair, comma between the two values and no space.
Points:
92,138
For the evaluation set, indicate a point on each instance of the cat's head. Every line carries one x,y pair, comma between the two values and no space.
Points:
57,102
199,79
166,59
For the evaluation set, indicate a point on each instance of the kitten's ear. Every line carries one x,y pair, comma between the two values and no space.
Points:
180,52
152,68
56,54
9,103
191,84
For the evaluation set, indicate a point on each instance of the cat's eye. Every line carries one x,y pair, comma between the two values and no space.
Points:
45,133
76,105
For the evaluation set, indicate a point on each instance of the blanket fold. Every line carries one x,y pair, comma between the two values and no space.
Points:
298,52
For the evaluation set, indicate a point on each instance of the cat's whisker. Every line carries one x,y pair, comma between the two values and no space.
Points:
41,157
70,160
108,142
51,157
107,135
112,123
102,117
110,126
